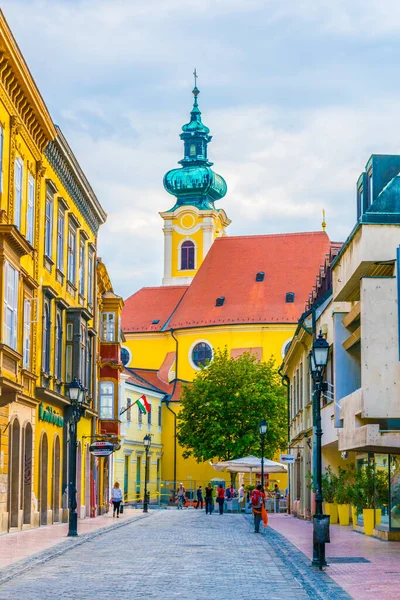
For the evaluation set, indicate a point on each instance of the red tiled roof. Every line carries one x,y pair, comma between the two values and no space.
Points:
290,262
150,304
150,379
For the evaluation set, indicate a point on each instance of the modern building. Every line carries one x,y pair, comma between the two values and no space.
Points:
359,314
242,292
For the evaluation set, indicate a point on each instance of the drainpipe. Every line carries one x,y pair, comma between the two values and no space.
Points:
167,400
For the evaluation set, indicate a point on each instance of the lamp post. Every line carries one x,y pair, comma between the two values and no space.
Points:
262,428
147,444
318,360
77,396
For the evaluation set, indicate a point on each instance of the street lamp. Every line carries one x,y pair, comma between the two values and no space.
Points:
77,396
319,355
262,428
147,444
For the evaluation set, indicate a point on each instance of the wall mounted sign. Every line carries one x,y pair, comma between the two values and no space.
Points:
101,448
287,459
49,415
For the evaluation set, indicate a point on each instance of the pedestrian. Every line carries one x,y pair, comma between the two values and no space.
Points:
116,498
199,497
241,494
257,502
221,499
277,491
181,493
209,499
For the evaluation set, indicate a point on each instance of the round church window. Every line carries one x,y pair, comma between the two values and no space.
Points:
125,356
201,354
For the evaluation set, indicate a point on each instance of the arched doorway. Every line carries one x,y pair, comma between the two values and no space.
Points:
14,476
87,481
56,479
43,478
27,473
79,479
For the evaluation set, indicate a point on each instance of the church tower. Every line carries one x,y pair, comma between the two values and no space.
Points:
193,223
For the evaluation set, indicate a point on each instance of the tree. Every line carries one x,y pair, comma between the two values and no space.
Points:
223,406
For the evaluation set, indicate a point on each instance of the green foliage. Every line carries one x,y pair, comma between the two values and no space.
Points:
329,484
343,490
372,487
222,408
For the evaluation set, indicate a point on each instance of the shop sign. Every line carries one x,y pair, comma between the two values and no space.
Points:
101,448
287,459
50,416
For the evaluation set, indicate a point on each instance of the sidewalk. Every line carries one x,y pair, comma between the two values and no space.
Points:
23,544
377,578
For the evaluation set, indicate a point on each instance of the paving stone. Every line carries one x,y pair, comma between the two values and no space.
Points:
171,555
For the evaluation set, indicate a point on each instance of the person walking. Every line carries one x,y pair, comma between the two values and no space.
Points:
116,498
199,497
181,493
257,502
221,499
241,494
209,499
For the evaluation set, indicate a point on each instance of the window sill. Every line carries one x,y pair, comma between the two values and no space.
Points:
60,276
48,263
71,289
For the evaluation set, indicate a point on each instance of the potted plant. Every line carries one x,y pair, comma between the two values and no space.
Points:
342,497
373,487
329,485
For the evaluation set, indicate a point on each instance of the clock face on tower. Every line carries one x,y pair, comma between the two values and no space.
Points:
187,221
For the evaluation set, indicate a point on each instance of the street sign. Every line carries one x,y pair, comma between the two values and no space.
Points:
287,459
101,448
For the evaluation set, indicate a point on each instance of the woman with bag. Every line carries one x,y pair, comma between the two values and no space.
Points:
257,503
116,498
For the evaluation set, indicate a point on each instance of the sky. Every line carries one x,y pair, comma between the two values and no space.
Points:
297,95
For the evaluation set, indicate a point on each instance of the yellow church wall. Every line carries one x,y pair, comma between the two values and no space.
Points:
148,351
177,241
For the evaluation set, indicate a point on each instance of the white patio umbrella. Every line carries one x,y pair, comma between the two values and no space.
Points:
248,464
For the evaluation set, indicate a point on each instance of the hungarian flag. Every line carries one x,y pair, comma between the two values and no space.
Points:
143,405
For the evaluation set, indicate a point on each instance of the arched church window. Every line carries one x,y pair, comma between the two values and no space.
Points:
187,256
193,150
125,356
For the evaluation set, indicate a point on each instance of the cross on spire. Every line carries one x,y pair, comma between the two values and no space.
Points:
195,77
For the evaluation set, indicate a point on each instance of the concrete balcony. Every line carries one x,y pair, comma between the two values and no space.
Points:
358,433
368,253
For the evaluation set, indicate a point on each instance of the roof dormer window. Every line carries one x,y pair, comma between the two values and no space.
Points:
260,276
220,301
290,297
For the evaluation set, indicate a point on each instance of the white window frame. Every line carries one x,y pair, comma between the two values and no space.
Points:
108,327
90,276
48,231
27,333
109,395
18,182
60,238
82,254
71,267
11,285
30,212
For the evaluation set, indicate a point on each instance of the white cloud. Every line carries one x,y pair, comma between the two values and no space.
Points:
297,94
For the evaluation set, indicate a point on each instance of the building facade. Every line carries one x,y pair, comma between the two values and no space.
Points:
49,309
244,293
360,318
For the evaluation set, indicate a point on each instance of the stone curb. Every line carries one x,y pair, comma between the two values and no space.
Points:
27,564
317,584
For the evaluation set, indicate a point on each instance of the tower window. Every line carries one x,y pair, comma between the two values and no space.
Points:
187,256
290,297
193,150
260,276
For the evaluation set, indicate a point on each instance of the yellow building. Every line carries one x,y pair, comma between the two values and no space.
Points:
49,219
129,462
242,292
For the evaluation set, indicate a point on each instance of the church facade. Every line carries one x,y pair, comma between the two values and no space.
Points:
245,293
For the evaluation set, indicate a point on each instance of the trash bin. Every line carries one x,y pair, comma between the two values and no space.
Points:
321,529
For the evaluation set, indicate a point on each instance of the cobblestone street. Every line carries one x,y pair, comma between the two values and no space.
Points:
172,554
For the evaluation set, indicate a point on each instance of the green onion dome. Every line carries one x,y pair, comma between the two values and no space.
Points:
195,183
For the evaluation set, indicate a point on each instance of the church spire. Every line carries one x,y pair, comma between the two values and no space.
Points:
195,183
